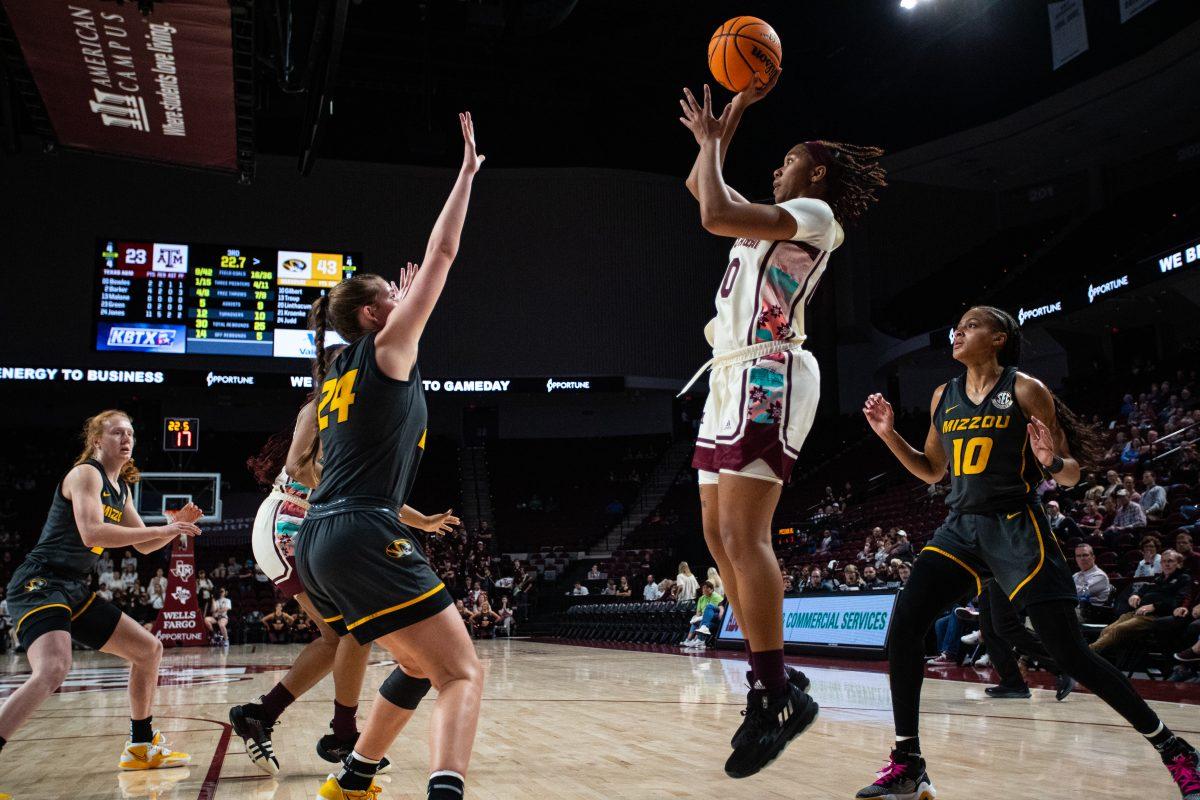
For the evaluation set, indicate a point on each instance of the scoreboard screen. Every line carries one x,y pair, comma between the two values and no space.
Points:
160,297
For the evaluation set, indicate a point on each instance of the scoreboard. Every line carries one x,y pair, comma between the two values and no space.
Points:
160,297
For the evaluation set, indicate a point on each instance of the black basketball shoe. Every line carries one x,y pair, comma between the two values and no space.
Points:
1003,692
902,778
795,677
769,726
331,748
256,734
1064,684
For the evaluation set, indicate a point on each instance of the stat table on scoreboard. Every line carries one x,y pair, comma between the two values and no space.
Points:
209,299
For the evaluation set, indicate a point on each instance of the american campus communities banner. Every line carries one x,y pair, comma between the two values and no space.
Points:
1068,31
849,619
158,87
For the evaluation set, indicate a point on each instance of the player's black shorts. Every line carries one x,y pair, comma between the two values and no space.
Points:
366,573
1017,548
40,601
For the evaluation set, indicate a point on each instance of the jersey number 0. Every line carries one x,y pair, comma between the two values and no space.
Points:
337,395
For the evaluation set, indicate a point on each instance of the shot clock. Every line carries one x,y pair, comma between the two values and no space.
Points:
181,434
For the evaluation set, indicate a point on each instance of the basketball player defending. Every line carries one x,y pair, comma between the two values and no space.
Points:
1002,432
764,387
364,570
50,598
275,526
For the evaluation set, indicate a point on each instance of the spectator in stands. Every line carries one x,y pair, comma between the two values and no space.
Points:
1112,482
219,572
579,591
1133,451
303,630
1092,586
1191,561
477,592
624,590
463,613
505,614
1063,526
158,587
1090,521
610,589
868,551
1190,655
1159,599
949,641
714,578
1129,485
594,574
651,592
204,588
483,621
279,624
217,617
1151,563
826,543
851,580
129,562
903,572
687,583
902,549
104,593
708,608
105,565
814,583
144,610
871,578
1129,518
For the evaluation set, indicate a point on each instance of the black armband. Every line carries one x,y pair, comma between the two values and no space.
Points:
1056,466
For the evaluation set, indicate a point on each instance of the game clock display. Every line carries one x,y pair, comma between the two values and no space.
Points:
159,297
181,433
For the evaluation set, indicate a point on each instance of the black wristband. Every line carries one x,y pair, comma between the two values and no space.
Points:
1056,466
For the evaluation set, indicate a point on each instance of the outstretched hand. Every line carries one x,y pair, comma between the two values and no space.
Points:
407,275
698,117
879,414
472,160
445,522
755,91
1041,441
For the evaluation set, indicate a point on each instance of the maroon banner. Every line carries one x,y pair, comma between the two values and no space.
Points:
158,87
180,622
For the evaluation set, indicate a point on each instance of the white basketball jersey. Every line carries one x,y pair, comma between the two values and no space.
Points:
767,284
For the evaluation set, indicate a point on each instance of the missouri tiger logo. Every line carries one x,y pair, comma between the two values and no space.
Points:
399,548
35,584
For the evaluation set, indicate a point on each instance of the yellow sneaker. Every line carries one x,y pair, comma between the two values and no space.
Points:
332,790
156,755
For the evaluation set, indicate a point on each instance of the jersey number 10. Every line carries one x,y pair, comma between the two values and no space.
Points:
973,458
337,394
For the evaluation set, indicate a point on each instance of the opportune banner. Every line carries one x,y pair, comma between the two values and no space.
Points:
158,87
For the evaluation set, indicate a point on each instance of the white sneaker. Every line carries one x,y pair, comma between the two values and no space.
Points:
155,754
984,661
971,638
686,643
703,630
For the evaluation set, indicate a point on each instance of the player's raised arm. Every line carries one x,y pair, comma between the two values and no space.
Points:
719,213
729,119
403,330
929,465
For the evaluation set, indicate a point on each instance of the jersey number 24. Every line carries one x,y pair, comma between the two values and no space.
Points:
337,395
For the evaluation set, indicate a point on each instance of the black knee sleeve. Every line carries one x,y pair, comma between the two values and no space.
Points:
404,690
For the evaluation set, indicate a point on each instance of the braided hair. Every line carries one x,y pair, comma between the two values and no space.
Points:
855,176
1085,442
338,311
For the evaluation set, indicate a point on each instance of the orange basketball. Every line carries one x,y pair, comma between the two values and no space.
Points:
742,50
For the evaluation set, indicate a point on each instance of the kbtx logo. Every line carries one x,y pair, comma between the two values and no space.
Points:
149,338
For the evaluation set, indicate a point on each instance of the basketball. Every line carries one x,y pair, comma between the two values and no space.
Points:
742,50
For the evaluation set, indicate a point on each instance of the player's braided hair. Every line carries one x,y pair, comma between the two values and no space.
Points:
93,429
271,459
1085,442
855,176
338,310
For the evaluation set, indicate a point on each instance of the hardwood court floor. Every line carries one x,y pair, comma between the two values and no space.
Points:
583,722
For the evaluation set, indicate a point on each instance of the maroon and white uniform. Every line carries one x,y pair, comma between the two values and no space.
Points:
764,388
275,527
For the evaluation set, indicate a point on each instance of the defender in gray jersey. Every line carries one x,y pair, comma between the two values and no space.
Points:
363,568
50,597
1000,431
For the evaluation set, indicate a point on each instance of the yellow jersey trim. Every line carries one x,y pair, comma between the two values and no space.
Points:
79,613
41,608
1041,556
961,563
405,604
331,619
